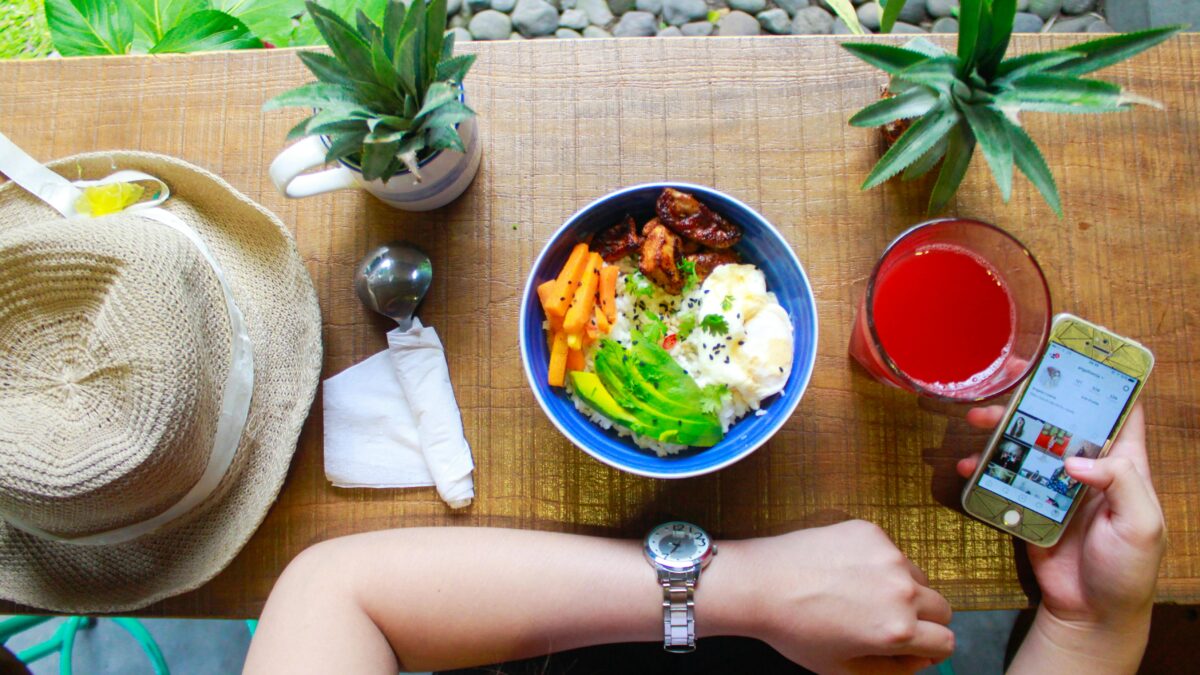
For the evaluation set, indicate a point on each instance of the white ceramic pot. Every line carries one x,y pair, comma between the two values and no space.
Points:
444,176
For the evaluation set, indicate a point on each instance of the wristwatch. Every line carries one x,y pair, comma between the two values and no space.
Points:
678,551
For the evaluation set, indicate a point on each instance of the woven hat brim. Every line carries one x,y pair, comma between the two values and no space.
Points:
275,293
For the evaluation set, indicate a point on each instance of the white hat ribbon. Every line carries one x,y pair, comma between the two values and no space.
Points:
62,195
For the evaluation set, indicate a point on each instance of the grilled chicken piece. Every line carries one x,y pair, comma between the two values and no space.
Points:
707,261
690,219
660,255
618,241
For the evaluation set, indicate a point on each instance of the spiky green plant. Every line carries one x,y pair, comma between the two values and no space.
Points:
976,97
388,96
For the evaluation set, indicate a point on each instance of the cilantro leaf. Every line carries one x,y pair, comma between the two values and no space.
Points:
688,268
727,303
687,324
711,398
714,324
638,285
653,328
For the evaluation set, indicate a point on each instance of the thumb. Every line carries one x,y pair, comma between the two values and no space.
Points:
1124,487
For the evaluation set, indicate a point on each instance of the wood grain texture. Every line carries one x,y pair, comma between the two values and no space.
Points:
764,119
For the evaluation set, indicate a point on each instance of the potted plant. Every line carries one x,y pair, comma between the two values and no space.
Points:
388,106
949,103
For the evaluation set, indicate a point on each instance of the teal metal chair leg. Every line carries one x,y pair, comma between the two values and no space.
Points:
139,633
251,625
19,624
63,640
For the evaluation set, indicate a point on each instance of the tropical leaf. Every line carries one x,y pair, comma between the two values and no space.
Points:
324,67
153,18
910,103
376,156
1063,94
888,58
455,68
270,20
313,95
1106,51
1028,64
90,27
987,125
921,136
209,30
446,138
989,55
845,11
891,11
435,31
448,115
927,161
300,130
343,146
393,21
936,73
305,31
959,148
345,43
970,18
1031,163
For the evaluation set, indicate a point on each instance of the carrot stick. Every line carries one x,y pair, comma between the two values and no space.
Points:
585,296
602,320
558,360
568,280
608,292
545,291
575,360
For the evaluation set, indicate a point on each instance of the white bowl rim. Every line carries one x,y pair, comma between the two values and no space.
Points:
771,431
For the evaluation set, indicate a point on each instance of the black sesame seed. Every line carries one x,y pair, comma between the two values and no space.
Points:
726,359
741,342
781,369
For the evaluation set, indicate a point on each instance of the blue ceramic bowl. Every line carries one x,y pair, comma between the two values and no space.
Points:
761,245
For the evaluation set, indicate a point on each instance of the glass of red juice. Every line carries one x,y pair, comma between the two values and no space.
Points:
955,309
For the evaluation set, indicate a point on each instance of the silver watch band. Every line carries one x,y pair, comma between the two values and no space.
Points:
679,609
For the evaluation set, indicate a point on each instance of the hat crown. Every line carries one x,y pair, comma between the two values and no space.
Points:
114,345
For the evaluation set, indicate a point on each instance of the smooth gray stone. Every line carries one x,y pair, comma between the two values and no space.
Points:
566,34
1022,5
812,21
748,6
504,5
670,31
619,7
697,29
1045,8
679,12
1100,27
516,36
652,6
453,7
1171,12
906,28
1075,24
940,8
478,5
912,12
1026,22
869,16
575,19
775,21
596,32
535,18
459,20
738,23
636,24
1078,6
946,24
490,25
840,27
461,35
792,6
597,11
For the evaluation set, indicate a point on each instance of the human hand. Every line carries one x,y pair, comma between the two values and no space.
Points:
1103,570
837,599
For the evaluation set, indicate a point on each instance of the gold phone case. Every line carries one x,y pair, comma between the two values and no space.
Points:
1098,343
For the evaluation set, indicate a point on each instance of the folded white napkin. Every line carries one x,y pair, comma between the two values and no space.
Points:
392,421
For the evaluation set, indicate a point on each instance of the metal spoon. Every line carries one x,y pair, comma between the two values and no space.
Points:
392,279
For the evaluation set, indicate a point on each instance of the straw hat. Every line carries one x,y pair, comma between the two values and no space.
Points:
117,354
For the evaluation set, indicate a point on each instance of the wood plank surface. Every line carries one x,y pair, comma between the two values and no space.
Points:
763,119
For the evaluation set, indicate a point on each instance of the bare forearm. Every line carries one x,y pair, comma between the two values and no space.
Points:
453,597
1053,645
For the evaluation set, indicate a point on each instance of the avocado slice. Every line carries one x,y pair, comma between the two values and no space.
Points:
592,391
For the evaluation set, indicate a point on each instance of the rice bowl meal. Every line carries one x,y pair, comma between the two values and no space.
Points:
660,332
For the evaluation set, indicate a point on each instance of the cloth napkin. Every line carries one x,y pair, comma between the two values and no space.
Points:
391,421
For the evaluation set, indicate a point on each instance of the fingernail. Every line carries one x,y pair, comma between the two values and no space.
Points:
1080,464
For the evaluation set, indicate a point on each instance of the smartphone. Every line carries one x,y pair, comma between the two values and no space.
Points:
1074,404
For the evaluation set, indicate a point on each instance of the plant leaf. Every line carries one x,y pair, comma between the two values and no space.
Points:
1028,64
959,148
438,95
414,30
927,161
313,95
845,11
90,27
1029,159
369,30
921,136
300,130
324,67
305,31
988,127
454,69
921,45
209,30
376,156
970,18
448,115
911,103
446,138
342,39
153,18
1106,51
341,146
989,55
406,65
386,76
1063,94
937,73
447,45
393,20
891,11
270,20
888,58
435,32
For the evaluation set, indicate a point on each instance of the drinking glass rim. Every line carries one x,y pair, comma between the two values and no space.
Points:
868,309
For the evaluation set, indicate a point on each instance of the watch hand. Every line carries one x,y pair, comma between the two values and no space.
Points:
677,545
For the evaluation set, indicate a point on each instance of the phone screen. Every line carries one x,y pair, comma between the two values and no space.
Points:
1069,409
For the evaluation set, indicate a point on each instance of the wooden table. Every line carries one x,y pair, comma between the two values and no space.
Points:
764,119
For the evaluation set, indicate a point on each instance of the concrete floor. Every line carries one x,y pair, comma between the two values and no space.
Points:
219,647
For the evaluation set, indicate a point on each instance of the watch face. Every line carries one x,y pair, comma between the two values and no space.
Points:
678,544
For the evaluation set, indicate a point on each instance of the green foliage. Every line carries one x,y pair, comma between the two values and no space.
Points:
95,27
845,11
23,30
714,324
976,96
390,93
891,11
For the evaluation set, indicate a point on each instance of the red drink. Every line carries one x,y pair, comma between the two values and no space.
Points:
944,316
956,309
